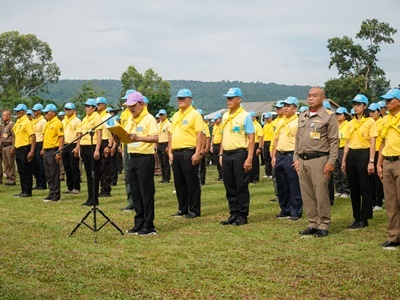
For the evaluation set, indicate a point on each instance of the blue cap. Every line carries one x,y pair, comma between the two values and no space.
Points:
341,110
361,99
69,105
145,100
291,100
183,93
158,115
217,115
206,118
108,108
127,94
29,112
279,104
374,106
49,107
352,111
252,113
303,108
234,92
91,102
200,111
327,105
162,112
101,100
382,104
267,115
61,113
21,107
37,106
392,94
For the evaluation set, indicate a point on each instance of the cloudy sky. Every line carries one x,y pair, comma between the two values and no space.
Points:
282,41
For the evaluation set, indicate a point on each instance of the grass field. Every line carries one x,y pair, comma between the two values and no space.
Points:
188,259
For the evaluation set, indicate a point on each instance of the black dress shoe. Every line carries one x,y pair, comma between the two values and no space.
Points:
321,233
240,221
24,195
229,221
359,224
191,216
390,244
179,213
309,230
352,224
128,208
47,198
17,195
52,199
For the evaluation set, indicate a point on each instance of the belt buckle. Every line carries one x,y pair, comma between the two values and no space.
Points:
305,157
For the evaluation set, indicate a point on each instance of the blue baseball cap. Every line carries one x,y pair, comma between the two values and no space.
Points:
91,102
158,115
183,93
392,94
374,106
382,104
252,113
101,100
61,113
327,105
37,106
360,98
303,108
217,115
145,100
200,111
234,92
341,110
162,112
352,111
20,107
127,94
29,112
291,100
69,105
267,115
49,107
279,104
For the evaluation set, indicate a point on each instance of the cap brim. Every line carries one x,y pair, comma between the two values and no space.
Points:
388,96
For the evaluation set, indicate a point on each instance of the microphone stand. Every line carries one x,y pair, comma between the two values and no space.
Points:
94,209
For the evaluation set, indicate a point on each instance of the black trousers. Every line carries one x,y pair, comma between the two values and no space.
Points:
216,149
164,161
114,167
236,182
140,174
38,167
105,169
202,169
187,184
255,171
267,159
24,169
71,168
340,178
377,186
52,171
93,187
360,184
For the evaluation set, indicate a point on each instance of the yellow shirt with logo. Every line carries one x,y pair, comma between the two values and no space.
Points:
52,132
234,134
343,133
360,132
71,125
286,133
147,126
23,129
184,128
276,123
258,131
379,124
217,134
391,134
268,131
38,125
163,131
105,133
88,123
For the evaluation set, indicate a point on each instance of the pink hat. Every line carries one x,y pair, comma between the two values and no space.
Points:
134,98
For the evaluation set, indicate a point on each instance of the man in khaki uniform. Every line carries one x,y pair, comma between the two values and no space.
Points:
7,142
317,144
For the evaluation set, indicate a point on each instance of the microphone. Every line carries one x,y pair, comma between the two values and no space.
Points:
115,111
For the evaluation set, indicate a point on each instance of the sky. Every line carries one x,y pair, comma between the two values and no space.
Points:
254,40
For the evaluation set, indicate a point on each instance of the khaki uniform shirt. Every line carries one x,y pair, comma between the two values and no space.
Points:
7,136
317,133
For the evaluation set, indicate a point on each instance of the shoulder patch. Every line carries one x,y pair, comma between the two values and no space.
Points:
329,112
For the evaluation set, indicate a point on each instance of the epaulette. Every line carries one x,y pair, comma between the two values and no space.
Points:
329,112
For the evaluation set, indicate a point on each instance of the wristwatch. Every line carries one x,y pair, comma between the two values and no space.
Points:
371,161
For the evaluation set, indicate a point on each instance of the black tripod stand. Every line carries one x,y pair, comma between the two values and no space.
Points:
94,209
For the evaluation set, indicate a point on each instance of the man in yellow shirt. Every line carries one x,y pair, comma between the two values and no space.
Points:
389,166
268,135
184,150
216,143
53,141
204,149
162,146
254,176
24,145
142,130
39,122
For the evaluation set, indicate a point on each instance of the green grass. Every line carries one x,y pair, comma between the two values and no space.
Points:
188,259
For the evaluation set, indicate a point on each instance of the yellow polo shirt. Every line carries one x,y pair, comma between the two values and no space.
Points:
217,134
258,131
343,133
286,133
234,134
268,131
105,133
207,130
88,123
125,116
147,126
23,129
71,125
276,123
391,134
379,124
163,131
38,125
52,132
184,128
359,133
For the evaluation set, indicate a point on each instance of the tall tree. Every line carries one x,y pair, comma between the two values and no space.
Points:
357,66
151,85
26,66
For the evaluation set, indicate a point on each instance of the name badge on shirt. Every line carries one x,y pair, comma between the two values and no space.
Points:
236,129
315,135
5,135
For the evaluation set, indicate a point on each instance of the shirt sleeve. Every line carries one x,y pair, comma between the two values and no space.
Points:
248,125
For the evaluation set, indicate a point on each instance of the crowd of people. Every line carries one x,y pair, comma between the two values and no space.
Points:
308,153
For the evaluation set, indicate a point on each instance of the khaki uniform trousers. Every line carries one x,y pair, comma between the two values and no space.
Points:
315,193
9,164
391,186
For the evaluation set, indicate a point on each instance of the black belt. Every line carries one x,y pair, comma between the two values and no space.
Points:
139,154
392,158
230,152
312,155
51,149
184,149
285,152
6,144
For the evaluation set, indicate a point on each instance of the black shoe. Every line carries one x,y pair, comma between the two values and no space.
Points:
128,208
390,244
281,215
52,199
321,233
309,230
134,230
352,224
17,195
295,218
191,215
47,198
147,232
90,203
105,195
229,221
164,181
240,221
179,213
25,195
358,225
39,188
